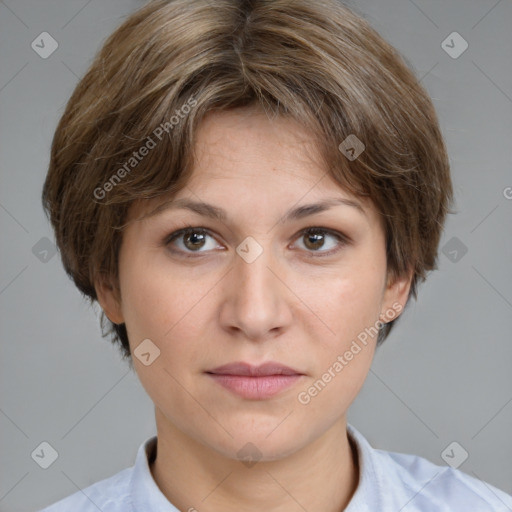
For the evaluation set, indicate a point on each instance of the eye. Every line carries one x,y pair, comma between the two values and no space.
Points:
192,240
315,238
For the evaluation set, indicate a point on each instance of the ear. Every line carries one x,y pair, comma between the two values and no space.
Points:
109,298
395,292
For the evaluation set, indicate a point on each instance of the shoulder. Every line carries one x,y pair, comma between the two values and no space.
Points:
109,495
433,487
391,481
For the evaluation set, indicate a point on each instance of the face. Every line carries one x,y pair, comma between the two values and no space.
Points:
254,286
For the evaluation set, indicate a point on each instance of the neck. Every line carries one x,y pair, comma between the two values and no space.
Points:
320,476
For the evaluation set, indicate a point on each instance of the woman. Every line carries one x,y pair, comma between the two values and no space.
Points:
253,191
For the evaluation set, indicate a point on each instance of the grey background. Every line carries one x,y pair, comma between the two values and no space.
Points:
443,375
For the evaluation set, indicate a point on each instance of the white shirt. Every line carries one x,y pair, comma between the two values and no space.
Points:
389,482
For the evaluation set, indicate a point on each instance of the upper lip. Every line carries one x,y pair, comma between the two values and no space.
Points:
241,368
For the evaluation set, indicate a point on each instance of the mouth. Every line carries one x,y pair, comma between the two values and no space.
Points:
249,370
255,382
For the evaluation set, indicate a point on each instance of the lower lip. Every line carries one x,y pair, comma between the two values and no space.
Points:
256,388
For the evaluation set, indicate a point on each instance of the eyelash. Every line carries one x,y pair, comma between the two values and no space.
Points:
342,239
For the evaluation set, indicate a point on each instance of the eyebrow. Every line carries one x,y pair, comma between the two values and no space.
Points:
216,213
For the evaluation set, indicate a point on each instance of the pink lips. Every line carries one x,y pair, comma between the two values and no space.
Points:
255,382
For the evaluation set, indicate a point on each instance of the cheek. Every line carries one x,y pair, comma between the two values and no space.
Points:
166,307
350,307
347,303
148,304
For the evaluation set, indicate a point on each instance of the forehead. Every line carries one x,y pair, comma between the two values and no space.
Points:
245,140
270,161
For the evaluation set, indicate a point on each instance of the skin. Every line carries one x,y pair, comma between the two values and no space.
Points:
286,306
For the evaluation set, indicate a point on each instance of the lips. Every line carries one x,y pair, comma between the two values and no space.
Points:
248,370
252,382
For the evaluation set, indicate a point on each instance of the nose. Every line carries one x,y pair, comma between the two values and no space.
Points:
256,302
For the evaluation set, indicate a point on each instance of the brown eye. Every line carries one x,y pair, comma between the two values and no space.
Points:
314,240
317,239
191,240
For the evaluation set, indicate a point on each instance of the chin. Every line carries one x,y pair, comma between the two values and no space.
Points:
257,444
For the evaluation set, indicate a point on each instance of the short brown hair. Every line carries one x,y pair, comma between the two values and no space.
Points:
317,62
